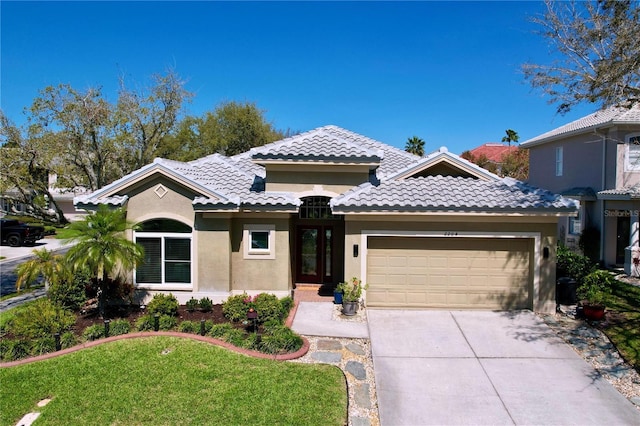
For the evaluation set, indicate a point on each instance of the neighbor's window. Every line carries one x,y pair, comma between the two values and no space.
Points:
559,155
259,241
632,154
575,225
167,253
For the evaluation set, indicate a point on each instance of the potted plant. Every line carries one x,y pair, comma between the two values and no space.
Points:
593,292
351,292
337,296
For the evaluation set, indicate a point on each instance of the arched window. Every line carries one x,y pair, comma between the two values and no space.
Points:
167,253
316,207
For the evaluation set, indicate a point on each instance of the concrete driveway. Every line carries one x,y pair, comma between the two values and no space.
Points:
473,368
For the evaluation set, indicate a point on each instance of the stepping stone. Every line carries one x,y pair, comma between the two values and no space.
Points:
361,395
355,348
360,421
327,357
357,369
329,345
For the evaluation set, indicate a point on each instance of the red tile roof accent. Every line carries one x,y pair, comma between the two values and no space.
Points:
493,151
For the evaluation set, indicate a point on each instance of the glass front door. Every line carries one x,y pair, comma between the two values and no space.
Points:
314,254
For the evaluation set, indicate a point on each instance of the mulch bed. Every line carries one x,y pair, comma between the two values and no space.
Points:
132,312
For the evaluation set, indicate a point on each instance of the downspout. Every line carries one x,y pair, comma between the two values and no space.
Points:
603,183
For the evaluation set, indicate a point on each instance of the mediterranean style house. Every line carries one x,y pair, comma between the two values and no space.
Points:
595,160
329,204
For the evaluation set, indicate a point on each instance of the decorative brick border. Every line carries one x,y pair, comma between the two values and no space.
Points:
284,357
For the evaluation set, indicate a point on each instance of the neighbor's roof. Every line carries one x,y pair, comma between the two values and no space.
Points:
626,193
451,194
493,151
600,119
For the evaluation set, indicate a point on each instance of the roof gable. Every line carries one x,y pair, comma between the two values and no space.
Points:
444,163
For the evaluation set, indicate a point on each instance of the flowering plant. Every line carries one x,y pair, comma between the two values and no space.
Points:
351,290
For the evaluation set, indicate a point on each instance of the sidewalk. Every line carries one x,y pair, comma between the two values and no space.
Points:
17,253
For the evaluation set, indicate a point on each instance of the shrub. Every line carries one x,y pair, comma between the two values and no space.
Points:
41,319
93,332
43,345
206,305
119,326
16,349
286,303
189,327
268,307
67,340
235,336
208,325
280,340
595,287
192,304
235,307
145,323
574,265
163,304
69,293
219,330
167,323
252,342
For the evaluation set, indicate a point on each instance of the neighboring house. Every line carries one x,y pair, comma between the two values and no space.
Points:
329,204
595,160
493,153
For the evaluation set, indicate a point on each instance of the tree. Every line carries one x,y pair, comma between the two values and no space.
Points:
515,164
598,53
102,247
415,146
145,118
45,264
512,136
230,129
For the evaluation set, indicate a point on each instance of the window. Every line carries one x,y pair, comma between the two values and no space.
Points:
167,254
559,154
632,154
316,208
575,225
259,241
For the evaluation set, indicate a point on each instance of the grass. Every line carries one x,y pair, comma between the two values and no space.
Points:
165,380
624,327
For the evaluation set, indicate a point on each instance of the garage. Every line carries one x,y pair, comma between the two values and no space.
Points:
450,272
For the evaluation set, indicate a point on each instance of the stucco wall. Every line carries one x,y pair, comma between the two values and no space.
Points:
257,275
301,179
354,266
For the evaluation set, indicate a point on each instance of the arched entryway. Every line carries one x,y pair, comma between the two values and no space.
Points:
319,243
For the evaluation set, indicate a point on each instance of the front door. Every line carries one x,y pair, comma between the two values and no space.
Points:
623,237
314,252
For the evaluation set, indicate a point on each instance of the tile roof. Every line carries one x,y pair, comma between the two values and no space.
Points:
626,193
451,194
603,118
235,183
493,151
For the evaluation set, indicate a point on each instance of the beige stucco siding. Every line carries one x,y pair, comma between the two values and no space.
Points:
255,275
145,204
298,181
466,226
213,252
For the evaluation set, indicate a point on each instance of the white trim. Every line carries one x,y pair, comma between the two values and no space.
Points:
163,285
628,167
250,253
536,236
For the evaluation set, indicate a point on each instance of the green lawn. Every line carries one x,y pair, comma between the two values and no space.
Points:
624,329
167,381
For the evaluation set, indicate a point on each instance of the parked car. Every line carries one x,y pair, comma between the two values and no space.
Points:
16,233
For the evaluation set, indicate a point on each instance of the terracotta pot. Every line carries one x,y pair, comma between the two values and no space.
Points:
593,312
349,308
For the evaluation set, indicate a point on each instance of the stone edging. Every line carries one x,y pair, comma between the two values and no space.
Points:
284,357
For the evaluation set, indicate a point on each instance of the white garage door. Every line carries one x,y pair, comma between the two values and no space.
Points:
451,273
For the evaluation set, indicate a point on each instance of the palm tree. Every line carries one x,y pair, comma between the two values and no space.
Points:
512,136
415,145
102,247
45,264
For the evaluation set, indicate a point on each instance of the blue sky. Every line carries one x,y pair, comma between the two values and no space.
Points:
448,72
